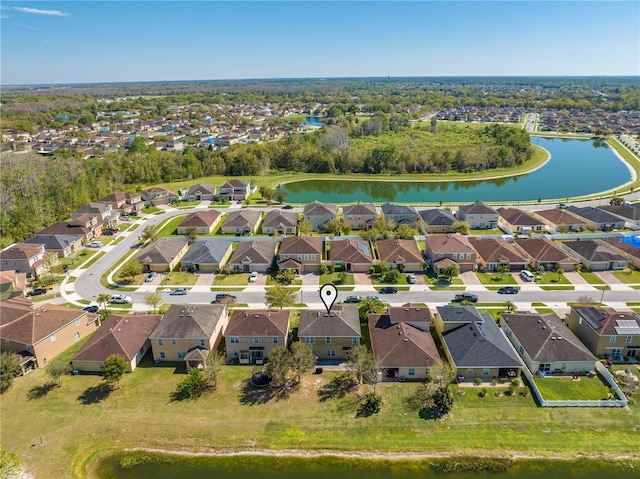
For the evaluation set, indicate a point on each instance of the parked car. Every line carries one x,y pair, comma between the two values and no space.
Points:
508,290
48,287
466,297
179,292
287,207
353,299
388,290
91,309
562,206
94,244
527,275
411,279
37,292
224,298
120,299
150,277
110,232
253,277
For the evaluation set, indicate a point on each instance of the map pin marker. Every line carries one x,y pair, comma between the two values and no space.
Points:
328,295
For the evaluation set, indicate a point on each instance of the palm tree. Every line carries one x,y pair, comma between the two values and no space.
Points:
103,299
511,308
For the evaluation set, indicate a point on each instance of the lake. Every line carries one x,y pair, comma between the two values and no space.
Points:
320,467
576,168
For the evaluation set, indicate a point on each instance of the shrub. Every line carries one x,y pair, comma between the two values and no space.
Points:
494,382
515,383
483,392
478,381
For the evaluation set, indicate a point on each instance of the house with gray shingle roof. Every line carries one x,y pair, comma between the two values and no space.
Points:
597,219
330,335
65,245
437,220
629,213
479,215
252,256
201,192
207,256
474,344
546,344
318,214
280,222
595,255
400,214
241,222
163,254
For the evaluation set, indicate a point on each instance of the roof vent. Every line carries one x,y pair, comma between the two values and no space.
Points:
559,338
417,309
119,329
544,327
539,321
406,309
405,340
126,320
256,315
553,337
110,329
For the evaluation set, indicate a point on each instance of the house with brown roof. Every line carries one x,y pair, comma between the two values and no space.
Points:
201,192
519,221
493,253
241,222
628,250
400,214
12,284
280,222
400,254
123,334
189,333
318,214
607,332
359,216
595,255
252,256
29,258
442,249
545,255
126,202
158,195
330,335
163,254
204,222
547,345
103,212
65,246
402,344
479,215
39,334
237,190
86,230
560,220
253,334
301,253
355,255
437,220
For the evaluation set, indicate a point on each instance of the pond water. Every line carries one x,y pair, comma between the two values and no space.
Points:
313,121
576,168
321,467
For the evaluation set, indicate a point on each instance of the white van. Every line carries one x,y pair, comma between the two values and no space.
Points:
527,275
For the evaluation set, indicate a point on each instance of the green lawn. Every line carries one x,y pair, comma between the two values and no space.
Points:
558,288
496,278
493,232
628,276
591,278
551,278
82,256
169,228
181,279
566,388
240,279
333,278
271,281
376,279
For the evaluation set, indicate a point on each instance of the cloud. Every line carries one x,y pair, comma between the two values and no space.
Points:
29,27
37,11
4,16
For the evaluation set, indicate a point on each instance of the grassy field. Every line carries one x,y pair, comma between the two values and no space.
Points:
333,278
628,276
181,279
591,278
496,278
240,279
81,417
567,388
551,278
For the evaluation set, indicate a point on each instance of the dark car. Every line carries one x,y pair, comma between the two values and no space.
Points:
91,309
37,292
465,297
287,207
388,290
508,290
353,299
224,298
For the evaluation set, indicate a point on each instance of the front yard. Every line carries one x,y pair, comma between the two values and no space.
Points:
239,279
496,278
334,278
179,279
630,275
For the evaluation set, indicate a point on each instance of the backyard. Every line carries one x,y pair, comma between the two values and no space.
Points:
566,388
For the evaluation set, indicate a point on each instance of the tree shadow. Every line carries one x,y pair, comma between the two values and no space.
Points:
37,392
338,387
95,394
253,396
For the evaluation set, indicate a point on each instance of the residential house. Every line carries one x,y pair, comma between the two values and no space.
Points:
547,345
595,255
253,256
301,253
280,222
66,246
104,213
236,190
355,255
30,258
359,216
437,220
241,222
402,344
207,256
319,214
441,250
479,216
544,255
401,254
400,214
597,219
164,254
560,220
38,334
201,192
629,213
623,248
189,332
253,334
123,334
126,202
475,346
519,222
607,332
86,231
204,222
330,335
158,195
494,253
12,284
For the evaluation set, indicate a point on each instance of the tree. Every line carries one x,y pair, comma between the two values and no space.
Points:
193,385
58,368
103,299
461,227
616,201
503,269
130,270
115,366
278,366
150,233
279,296
302,359
383,266
560,272
280,195
305,227
370,306
266,192
451,271
380,229
335,226
392,276
214,366
405,231
434,397
510,306
360,361
191,232
10,463
9,369
154,300
103,314
286,277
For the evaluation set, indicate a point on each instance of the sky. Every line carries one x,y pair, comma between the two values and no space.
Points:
52,42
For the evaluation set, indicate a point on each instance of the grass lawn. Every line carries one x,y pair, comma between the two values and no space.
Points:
493,232
333,278
591,278
551,278
566,388
628,276
496,278
177,278
271,281
82,256
239,279
558,288
225,288
151,210
544,310
169,228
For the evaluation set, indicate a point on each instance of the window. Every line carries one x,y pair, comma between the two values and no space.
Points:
612,339
53,337
234,339
309,340
306,257
202,343
485,371
354,340
181,355
141,350
78,322
275,340
76,335
440,255
331,353
256,339
162,355
160,342
579,320
469,255
412,372
469,371
327,340
313,257
286,256
174,341
629,339
454,256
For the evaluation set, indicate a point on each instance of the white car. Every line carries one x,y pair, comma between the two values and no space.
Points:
253,277
94,244
120,299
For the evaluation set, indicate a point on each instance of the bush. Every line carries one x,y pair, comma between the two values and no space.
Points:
515,383
478,381
323,268
482,393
